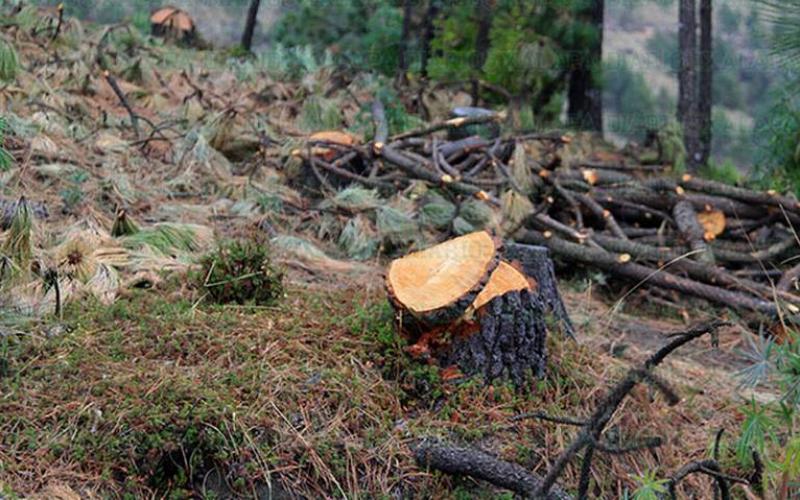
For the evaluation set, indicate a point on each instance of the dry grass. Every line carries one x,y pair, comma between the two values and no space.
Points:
153,395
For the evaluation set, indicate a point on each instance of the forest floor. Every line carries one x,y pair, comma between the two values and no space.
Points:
139,388
315,398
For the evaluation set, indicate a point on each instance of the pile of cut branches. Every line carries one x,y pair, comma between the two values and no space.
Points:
672,233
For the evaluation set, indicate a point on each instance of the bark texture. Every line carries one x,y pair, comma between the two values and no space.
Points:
537,264
474,463
511,343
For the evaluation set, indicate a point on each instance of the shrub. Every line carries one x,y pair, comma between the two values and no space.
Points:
240,272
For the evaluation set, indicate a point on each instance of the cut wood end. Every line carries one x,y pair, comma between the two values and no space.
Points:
686,177
793,308
590,176
438,277
106,73
377,147
550,200
60,7
544,174
606,214
447,179
456,122
680,190
547,234
709,236
624,258
482,195
296,153
772,192
566,139
505,278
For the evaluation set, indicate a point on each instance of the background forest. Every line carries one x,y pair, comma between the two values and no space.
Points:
753,115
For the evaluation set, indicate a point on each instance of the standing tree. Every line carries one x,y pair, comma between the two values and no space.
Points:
483,11
584,92
688,115
402,54
428,33
706,75
250,25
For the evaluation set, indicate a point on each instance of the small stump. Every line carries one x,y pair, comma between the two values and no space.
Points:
462,304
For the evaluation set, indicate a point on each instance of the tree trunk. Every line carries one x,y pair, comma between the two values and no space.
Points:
584,94
402,56
427,36
706,75
483,11
687,81
250,25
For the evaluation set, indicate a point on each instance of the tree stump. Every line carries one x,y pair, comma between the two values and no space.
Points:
461,304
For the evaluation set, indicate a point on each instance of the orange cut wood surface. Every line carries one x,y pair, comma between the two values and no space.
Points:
440,275
332,136
505,278
713,222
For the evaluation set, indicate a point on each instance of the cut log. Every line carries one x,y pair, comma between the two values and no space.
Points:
437,285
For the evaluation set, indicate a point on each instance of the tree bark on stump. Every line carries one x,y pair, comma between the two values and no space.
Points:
510,344
461,304
536,263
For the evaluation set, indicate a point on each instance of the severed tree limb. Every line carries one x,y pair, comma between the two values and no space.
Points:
709,468
381,124
692,231
121,96
605,215
474,463
451,123
605,260
416,171
591,433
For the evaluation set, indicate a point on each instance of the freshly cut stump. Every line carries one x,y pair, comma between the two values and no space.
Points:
437,285
472,310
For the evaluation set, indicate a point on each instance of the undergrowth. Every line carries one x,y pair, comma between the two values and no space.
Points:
157,395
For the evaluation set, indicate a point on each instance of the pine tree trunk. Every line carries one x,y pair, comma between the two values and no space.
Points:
706,75
250,25
427,36
584,94
402,56
687,81
483,11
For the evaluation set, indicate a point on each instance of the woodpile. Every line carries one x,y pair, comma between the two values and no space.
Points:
462,303
733,246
